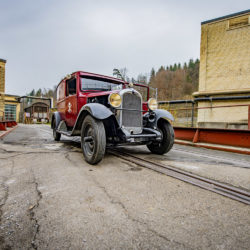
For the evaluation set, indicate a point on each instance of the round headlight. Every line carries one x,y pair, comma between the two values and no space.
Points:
115,100
152,104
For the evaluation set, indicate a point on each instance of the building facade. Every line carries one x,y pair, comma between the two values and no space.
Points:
11,108
27,109
2,87
225,71
9,104
34,109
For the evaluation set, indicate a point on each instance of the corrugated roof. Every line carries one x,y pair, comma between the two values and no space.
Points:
227,16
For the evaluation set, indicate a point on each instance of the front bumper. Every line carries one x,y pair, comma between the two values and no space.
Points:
147,135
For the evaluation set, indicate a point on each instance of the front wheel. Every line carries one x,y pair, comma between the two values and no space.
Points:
167,142
93,140
56,135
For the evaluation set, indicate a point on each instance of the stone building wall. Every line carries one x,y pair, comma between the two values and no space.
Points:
225,70
2,86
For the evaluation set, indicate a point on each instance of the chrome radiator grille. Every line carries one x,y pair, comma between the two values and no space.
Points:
131,119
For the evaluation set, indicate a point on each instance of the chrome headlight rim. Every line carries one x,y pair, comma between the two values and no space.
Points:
152,104
112,102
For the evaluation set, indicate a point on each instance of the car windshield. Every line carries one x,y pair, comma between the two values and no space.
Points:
101,85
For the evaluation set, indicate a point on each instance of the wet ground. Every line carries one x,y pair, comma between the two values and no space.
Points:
52,199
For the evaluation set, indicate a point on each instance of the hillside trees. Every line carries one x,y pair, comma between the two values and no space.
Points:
176,81
173,81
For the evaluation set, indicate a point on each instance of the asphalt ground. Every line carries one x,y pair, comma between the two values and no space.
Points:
52,199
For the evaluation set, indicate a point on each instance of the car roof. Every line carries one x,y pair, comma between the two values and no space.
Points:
84,73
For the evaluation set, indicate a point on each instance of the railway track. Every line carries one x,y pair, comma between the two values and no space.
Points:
202,182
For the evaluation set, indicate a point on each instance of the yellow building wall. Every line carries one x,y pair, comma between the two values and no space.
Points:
2,87
224,69
230,117
12,100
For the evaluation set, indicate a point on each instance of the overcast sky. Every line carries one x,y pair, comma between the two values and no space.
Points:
43,41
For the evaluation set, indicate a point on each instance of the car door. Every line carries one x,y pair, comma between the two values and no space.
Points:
71,102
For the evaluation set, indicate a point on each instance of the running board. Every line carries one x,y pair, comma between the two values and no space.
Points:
67,133
62,129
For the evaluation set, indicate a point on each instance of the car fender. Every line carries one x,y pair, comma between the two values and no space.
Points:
158,114
56,116
97,110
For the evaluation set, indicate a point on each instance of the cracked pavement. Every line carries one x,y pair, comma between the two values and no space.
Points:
50,198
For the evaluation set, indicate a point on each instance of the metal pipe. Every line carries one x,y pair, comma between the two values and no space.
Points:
176,101
244,97
213,107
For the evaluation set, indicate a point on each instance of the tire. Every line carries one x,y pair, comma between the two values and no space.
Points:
167,142
93,150
56,135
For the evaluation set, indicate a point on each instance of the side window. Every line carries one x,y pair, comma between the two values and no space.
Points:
71,87
60,91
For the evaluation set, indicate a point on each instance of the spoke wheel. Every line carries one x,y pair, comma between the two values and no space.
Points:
93,140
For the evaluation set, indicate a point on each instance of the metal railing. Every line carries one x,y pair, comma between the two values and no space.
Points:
186,113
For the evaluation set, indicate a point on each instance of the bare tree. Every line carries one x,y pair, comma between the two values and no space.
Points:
121,74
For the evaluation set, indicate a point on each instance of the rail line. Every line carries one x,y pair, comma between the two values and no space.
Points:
202,182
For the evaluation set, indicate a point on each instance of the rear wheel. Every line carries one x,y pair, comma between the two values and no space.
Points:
93,140
56,135
167,142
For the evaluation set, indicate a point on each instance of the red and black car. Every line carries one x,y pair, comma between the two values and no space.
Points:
107,111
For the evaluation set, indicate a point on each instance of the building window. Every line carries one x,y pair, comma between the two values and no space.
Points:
238,22
10,112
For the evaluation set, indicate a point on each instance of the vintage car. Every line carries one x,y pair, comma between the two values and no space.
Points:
106,112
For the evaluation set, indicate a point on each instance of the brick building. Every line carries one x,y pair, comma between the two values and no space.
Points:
225,70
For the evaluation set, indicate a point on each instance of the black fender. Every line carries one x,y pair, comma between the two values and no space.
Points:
153,117
97,110
56,116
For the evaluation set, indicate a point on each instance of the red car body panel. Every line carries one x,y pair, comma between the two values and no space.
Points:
69,106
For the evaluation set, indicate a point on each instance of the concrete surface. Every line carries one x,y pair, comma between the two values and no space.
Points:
230,168
52,199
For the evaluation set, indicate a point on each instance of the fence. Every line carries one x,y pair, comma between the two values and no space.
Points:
186,113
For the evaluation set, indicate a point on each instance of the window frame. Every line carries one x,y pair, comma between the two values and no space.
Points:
67,94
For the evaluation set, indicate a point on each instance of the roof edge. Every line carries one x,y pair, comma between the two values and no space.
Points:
3,60
11,95
35,97
227,16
